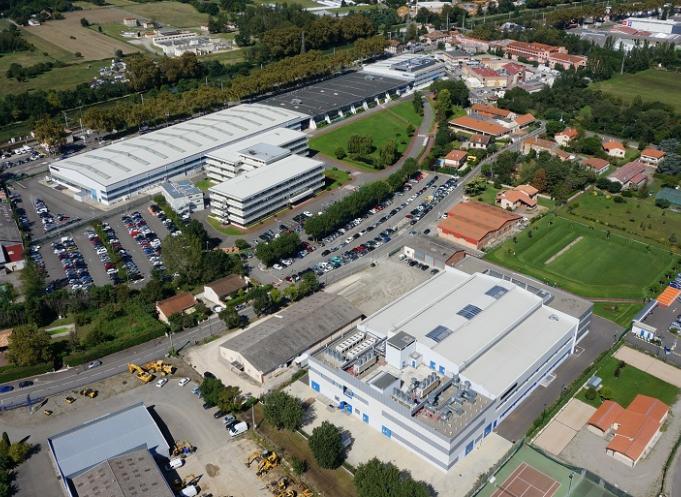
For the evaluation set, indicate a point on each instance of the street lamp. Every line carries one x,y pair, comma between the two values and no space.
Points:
570,477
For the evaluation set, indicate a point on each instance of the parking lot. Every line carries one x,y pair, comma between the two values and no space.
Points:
180,416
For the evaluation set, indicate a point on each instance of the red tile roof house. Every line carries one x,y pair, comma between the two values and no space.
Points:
520,195
599,166
652,156
469,124
564,137
479,142
182,302
455,158
633,431
614,148
631,175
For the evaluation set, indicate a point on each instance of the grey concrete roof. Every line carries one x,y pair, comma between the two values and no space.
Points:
89,444
132,474
336,93
293,331
9,231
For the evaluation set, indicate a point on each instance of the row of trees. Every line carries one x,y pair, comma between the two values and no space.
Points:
11,40
21,11
286,245
358,203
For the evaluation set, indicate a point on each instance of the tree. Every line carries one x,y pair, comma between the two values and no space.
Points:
182,256
540,181
29,345
387,153
18,452
84,22
262,302
417,102
49,133
327,445
299,466
340,153
226,398
231,317
443,104
282,410
379,479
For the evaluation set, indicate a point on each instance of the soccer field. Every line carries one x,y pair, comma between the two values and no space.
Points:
584,260
651,84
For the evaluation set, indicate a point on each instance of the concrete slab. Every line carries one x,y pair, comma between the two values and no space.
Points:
369,443
555,437
650,365
575,414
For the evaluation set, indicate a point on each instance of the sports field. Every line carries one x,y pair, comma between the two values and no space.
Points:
531,474
179,15
651,84
381,126
584,260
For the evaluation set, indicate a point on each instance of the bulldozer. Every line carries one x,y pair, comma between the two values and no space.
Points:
140,373
160,367
267,463
88,392
69,400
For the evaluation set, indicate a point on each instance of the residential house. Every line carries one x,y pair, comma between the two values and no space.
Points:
180,303
480,142
515,74
219,290
492,112
455,158
652,156
394,47
567,61
487,77
538,52
539,145
597,165
614,148
563,138
631,175
521,195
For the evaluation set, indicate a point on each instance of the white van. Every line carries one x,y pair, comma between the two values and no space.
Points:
178,462
189,491
238,429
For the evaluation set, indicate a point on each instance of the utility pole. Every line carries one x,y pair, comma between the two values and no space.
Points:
302,42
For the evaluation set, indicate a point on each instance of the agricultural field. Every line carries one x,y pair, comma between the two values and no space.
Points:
639,217
388,124
663,85
585,260
69,35
169,13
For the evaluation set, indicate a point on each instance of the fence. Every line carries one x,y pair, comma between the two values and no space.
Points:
654,350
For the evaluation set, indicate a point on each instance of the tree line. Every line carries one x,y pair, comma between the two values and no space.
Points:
11,40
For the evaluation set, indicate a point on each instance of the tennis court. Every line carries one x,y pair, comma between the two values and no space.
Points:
527,481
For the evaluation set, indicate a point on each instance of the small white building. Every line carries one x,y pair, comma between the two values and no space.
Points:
183,196
421,70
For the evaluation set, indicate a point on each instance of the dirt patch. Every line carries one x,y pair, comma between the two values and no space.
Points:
69,35
563,250
212,470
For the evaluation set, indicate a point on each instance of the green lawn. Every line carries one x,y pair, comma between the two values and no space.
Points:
229,57
384,125
617,312
336,177
489,196
179,15
59,78
225,230
631,381
204,184
639,217
651,84
594,266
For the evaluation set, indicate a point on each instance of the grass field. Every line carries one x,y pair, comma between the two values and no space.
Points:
583,259
384,125
618,312
631,381
204,184
230,57
580,486
336,178
179,15
651,84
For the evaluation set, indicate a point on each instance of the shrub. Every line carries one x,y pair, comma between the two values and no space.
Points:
590,394
327,445
299,466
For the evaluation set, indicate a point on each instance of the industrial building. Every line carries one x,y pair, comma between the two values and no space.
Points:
418,69
282,180
270,346
11,245
652,25
439,368
113,455
476,225
182,196
122,169
333,98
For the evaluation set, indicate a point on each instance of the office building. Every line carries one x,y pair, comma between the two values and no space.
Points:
420,70
182,196
439,368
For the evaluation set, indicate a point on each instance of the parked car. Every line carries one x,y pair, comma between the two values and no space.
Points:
182,382
161,382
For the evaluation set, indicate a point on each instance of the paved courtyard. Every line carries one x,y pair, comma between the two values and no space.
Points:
564,426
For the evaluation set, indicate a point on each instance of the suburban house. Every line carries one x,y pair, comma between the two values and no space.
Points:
491,120
492,112
614,148
480,142
476,225
182,302
219,290
488,78
630,175
652,156
469,124
455,158
563,138
521,195
597,165
567,61
632,431
539,145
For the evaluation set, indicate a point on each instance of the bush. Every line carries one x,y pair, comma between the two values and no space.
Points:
662,203
283,410
340,153
327,445
590,394
299,466
619,200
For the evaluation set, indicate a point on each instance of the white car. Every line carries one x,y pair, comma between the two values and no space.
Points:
161,382
182,382
307,213
278,267
218,309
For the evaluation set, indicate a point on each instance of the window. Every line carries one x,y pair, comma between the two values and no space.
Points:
386,431
439,333
469,311
432,364
442,370
365,418
496,292
314,386
469,448
347,392
488,429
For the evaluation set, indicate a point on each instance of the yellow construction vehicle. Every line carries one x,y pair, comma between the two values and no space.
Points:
163,368
47,412
69,399
267,463
279,485
140,373
305,492
289,492
88,392
252,457
182,447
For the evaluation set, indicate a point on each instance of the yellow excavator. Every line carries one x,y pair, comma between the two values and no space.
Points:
160,367
252,457
141,374
267,463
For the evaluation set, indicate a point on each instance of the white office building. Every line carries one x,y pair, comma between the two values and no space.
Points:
420,70
230,161
438,369
653,25
122,169
281,179
182,196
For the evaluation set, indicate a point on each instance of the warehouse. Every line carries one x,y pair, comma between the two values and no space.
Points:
93,449
116,172
282,180
440,367
270,346
476,225
335,97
